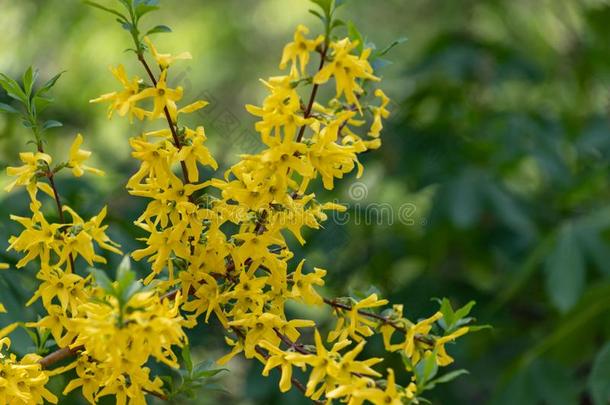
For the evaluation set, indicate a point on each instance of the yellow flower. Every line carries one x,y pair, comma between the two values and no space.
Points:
354,324
164,60
34,163
322,362
347,69
22,381
412,347
56,321
442,358
303,284
278,358
119,339
379,113
64,286
38,239
279,110
263,327
391,395
123,101
193,151
299,50
78,156
163,97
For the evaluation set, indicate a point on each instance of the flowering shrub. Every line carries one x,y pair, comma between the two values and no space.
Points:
217,247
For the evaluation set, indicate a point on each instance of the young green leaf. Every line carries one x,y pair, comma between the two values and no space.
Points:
49,84
186,358
29,78
102,280
143,9
39,103
445,378
317,14
51,124
7,108
107,9
12,88
127,26
159,29
599,379
565,270
389,47
426,369
325,5
355,35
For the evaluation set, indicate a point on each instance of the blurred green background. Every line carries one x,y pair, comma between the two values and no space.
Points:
494,165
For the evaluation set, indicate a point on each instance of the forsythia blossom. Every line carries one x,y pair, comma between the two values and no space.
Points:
218,247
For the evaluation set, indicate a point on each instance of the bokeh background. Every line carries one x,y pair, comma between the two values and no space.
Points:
499,145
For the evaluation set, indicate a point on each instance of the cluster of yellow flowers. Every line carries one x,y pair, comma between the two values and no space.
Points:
22,382
117,340
221,246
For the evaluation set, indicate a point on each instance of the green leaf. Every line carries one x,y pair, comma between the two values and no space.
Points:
205,370
33,335
49,84
464,311
125,278
127,26
51,124
7,108
101,278
445,378
29,78
146,2
144,9
159,29
354,34
337,23
339,3
107,9
39,103
186,358
394,43
426,369
12,88
317,14
325,5
565,270
599,379
124,269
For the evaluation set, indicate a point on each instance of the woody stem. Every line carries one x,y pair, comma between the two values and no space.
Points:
314,92
57,198
170,122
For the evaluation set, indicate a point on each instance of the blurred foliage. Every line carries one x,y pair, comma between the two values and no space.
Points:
499,147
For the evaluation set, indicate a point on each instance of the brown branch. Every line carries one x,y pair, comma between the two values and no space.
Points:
419,337
381,318
67,352
295,381
59,355
60,210
314,92
162,397
296,346
170,122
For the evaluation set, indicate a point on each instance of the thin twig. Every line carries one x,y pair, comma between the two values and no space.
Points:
60,210
314,92
170,122
59,355
296,346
